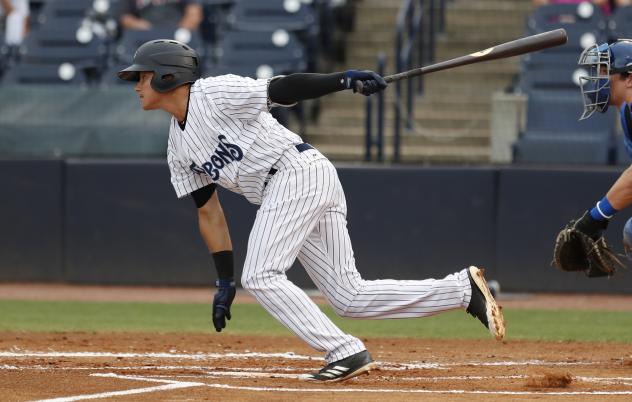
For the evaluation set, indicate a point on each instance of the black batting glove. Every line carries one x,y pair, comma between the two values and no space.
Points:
371,82
222,301
591,227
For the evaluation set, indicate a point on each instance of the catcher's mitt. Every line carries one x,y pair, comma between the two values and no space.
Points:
576,251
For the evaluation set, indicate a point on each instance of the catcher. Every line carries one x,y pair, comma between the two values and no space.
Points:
580,246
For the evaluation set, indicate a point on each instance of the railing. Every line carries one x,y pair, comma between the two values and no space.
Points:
415,39
378,141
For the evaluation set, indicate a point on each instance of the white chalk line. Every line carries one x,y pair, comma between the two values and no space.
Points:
183,356
258,373
380,390
167,386
286,355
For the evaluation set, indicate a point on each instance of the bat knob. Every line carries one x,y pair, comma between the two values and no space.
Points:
358,87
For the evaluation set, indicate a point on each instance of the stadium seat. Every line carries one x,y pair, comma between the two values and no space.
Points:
559,111
57,44
552,148
59,12
562,77
572,17
620,24
25,73
259,54
257,15
554,133
556,68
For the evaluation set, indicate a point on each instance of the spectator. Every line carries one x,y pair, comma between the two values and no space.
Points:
16,21
145,14
606,5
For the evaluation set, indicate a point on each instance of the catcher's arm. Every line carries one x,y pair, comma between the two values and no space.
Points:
620,194
214,230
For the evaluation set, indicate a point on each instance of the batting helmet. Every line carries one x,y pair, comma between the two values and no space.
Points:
602,61
173,64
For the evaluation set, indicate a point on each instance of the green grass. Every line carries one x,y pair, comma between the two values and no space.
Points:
554,325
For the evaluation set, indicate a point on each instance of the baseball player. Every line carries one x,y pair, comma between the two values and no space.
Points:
222,134
609,83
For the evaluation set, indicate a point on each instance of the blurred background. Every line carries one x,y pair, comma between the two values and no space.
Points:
479,165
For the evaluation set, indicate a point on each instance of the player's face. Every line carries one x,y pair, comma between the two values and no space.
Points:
149,98
620,89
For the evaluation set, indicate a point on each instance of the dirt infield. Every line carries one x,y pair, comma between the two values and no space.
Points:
143,367
191,367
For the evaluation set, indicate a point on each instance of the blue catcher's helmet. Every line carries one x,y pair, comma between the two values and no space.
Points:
601,61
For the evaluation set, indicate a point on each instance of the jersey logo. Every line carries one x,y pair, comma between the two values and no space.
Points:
224,154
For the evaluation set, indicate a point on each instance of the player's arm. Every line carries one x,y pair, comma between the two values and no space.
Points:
296,87
214,231
192,17
7,6
620,194
595,220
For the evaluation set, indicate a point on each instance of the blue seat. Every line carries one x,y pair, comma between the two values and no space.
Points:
552,148
563,77
620,24
553,16
131,40
554,135
243,53
258,15
53,44
63,10
568,16
26,73
559,111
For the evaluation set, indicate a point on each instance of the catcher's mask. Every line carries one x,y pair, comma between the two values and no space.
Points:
173,64
601,61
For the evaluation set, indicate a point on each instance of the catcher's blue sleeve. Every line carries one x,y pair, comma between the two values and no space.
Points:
626,123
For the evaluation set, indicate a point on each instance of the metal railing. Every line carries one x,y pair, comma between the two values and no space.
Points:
415,39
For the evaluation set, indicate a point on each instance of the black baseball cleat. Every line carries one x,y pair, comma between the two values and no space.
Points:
483,305
345,368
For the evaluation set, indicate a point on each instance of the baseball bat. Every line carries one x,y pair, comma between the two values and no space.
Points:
516,47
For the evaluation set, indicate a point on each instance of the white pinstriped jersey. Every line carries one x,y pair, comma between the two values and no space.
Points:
230,138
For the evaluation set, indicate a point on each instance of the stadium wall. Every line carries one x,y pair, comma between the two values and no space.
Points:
119,222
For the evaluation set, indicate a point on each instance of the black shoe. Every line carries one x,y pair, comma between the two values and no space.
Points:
483,306
346,368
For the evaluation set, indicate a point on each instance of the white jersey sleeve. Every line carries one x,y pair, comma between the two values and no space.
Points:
240,97
184,177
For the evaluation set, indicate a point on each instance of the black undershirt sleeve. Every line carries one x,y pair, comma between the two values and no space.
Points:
202,195
300,86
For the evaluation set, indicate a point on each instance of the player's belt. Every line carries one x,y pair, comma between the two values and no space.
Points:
302,147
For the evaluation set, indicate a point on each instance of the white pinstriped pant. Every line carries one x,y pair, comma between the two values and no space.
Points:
303,214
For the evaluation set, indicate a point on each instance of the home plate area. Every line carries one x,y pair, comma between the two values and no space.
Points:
409,369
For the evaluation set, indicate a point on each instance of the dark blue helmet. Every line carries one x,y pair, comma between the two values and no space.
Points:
621,56
601,61
173,64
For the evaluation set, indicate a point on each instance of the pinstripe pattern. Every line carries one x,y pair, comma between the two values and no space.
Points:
231,140
233,107
303,215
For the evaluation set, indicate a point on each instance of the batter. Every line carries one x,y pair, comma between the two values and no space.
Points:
222,134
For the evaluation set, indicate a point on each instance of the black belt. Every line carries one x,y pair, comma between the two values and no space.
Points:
302,147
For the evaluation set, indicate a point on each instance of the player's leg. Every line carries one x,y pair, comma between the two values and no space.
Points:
328,258
298,198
